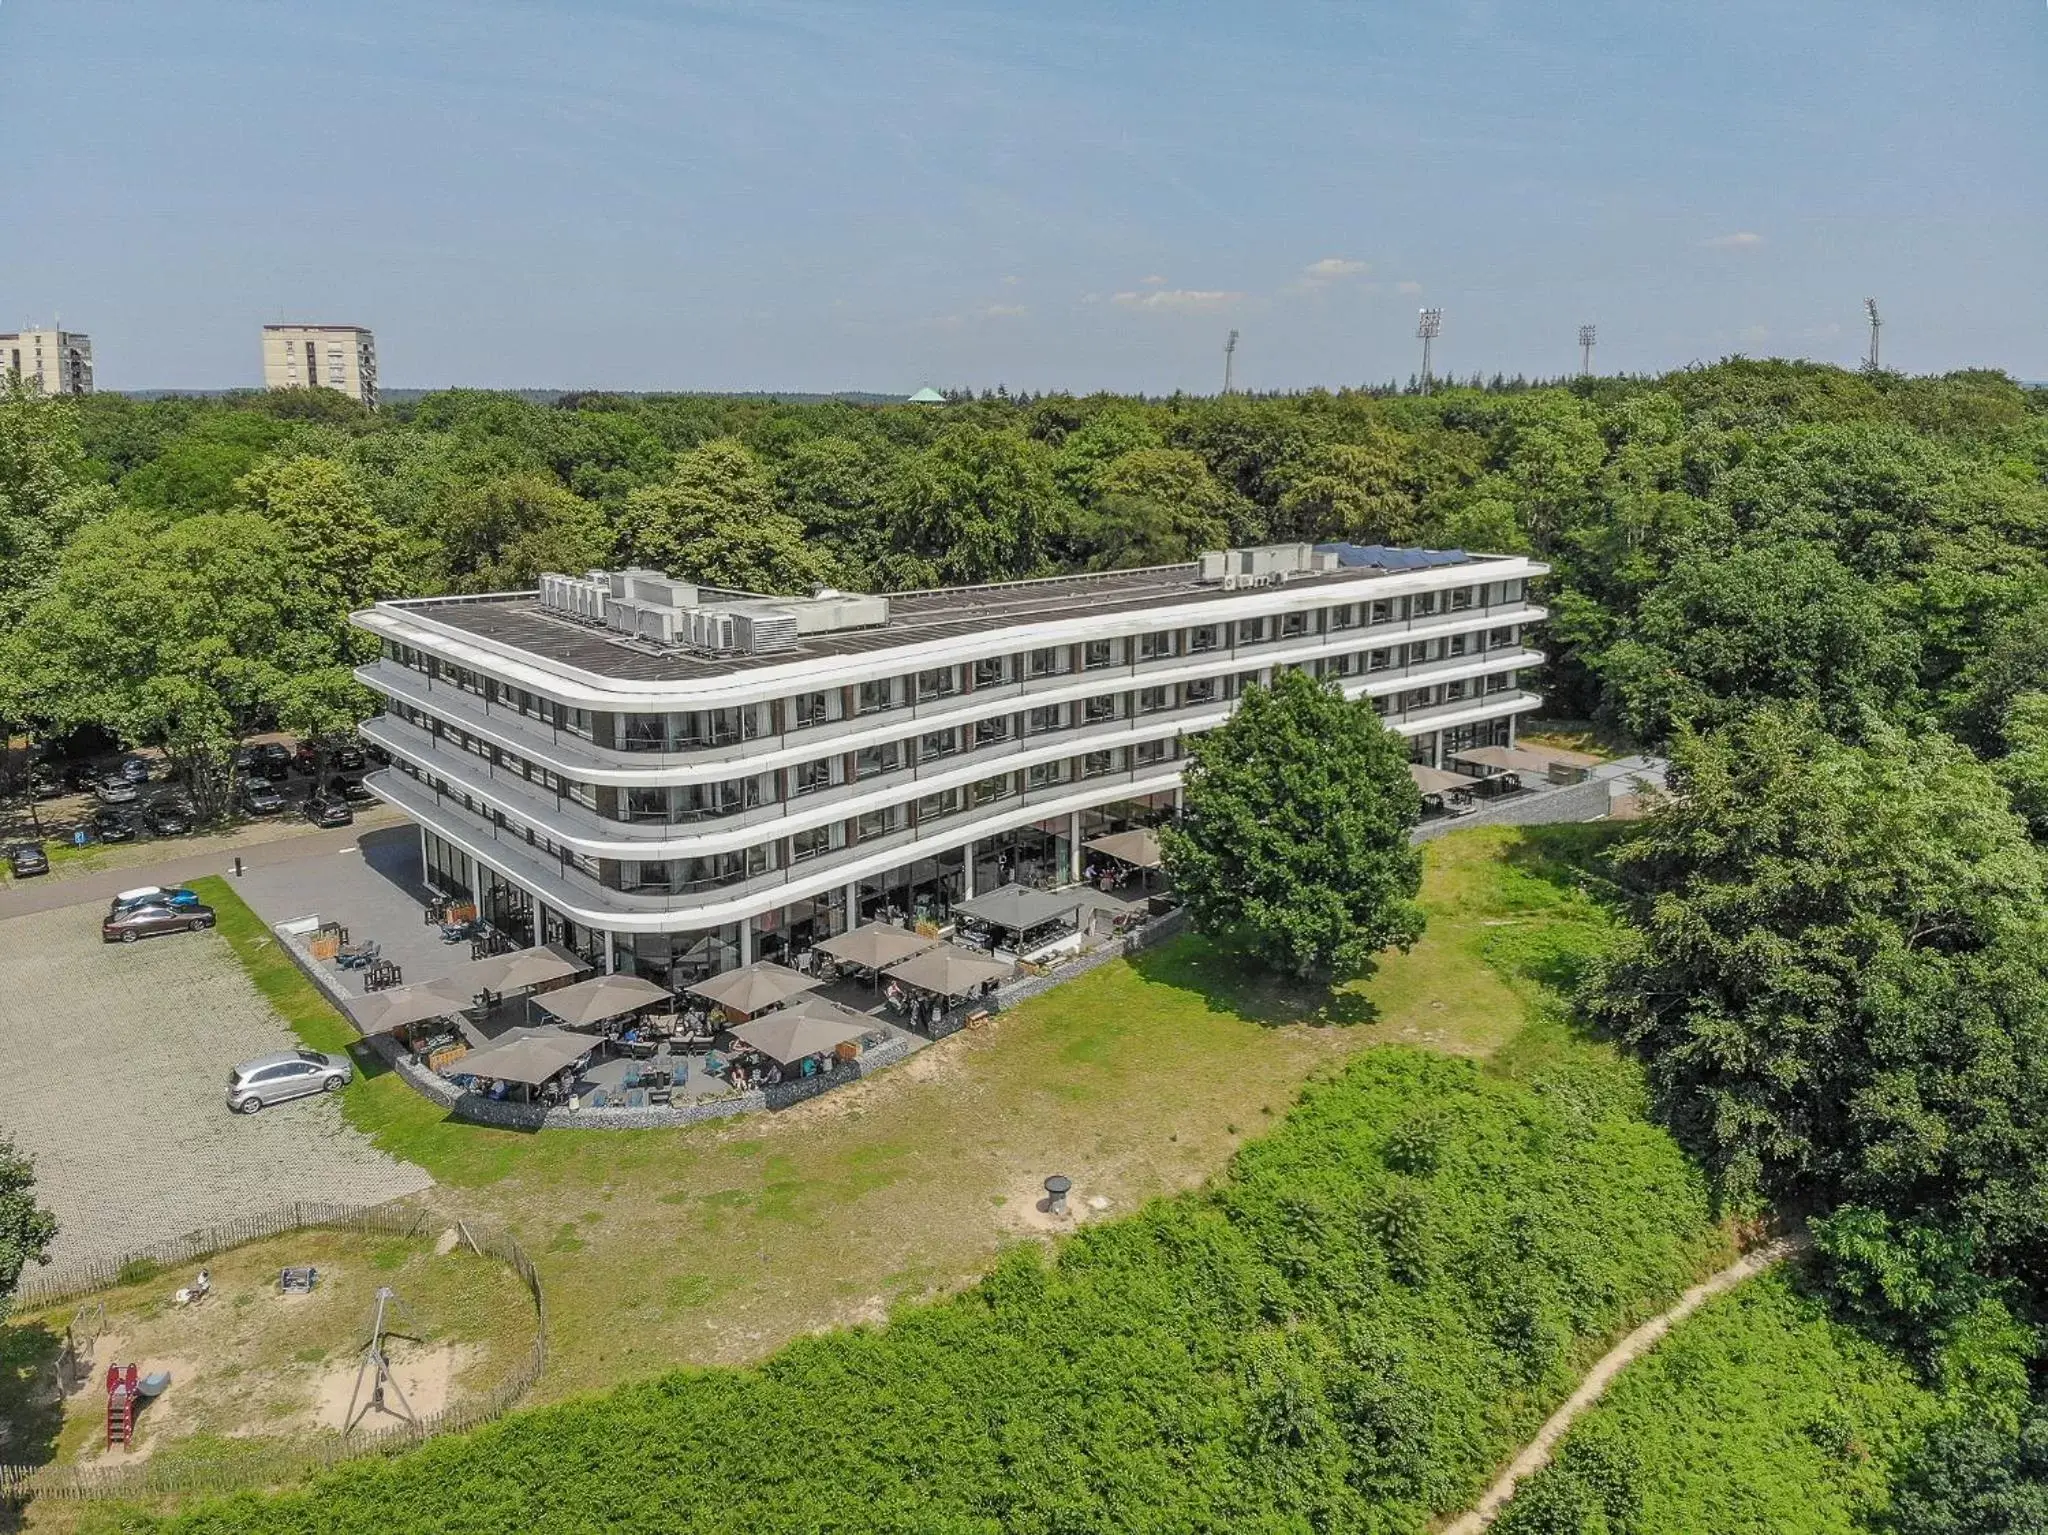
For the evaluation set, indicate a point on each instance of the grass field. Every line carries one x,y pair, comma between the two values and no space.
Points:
719,1243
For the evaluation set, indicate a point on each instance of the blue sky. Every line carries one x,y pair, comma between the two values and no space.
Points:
787,194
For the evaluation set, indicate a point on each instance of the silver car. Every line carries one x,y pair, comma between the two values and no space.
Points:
287,1074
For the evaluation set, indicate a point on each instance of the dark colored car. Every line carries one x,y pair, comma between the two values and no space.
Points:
323,811
26,858
260,798
167,818
348,756
42,784
376,754
109,825
80,776
134,769
147,921
350,789
272,760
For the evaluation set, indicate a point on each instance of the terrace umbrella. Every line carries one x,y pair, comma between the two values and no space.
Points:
520,970
1435,780
1139,848
875,945
601,997
382,1011
950,971
809,1027
1018,908
751,988
526,1056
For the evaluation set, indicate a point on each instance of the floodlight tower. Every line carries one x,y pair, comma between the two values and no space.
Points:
1587,337
1229,352
1876,324
1429,325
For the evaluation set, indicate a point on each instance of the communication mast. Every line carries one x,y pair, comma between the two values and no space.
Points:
1586,339
1876,324
1229,354
1428,326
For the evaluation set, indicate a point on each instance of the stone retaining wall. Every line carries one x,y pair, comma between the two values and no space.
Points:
1588,801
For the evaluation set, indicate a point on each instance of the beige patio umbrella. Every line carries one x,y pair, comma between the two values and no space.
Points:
753,987
950,970
874,946
382,1011
809,1027
528,1056
1435,780
601,997
520,970
1139,848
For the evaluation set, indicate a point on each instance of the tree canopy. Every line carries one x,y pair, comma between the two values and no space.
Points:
1294,847
26,1229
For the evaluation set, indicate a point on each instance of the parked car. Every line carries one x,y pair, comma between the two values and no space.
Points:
287,1074
306,759
348,755
376,754
260,798
147,921
80,776
43,784
109,825
134,769
350,789
26,858
323,811
116,790
167,818
153,895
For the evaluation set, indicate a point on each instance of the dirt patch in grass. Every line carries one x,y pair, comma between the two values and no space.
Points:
250,1363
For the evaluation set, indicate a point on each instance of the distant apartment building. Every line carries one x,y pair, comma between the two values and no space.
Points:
342,357
56,361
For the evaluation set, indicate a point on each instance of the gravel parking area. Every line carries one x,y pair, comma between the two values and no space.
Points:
113,1064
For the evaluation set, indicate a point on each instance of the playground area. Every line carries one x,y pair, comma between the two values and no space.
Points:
277,1345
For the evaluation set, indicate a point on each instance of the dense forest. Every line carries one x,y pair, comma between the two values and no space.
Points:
177,570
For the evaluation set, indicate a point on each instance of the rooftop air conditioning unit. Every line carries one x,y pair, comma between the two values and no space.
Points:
762,632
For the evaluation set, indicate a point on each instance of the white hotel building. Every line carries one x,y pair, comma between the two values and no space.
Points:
673,779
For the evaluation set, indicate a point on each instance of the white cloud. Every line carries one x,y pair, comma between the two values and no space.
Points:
1177,298
1409,288
1742,239
1012,280
1154,281
1005,312
1751,335
1330,268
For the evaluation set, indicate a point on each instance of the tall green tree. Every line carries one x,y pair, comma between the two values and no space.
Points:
500,535
26,1229
979,505
1836,973
1155,506
715,521
1294,849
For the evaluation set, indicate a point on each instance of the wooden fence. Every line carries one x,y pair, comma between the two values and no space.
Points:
274,1464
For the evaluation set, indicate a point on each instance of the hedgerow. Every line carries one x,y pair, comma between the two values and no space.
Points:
1380,1301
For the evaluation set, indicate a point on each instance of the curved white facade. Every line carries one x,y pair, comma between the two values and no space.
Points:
657,807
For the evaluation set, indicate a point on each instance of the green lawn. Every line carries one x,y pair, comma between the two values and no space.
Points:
719,1243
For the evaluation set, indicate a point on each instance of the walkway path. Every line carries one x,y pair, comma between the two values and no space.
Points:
20,898
1536,1454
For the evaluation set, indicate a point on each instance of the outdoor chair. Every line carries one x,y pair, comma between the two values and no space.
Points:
661,1095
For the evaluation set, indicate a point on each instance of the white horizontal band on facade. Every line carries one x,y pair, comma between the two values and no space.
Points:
590,763
412,624
584,830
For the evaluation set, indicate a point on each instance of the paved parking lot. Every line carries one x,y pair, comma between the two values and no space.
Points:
113,1061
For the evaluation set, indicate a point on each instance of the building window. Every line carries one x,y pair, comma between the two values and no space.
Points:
936,683
1155,647
871,761
1204,637
1461,599
991,732
1415,654
1422,604
936,743
810,709
1045,774
1048,662
1500,682
1383,611
879,823
1040,720
1150,752
1099,708
809,844
646,804
1343,617
1095,764
877,696
934,807
643,733
991,671
1456,644
1251,631
1152,700
1097,653
1202,691
1499,639
1379,660
989,790
1293,625
813,776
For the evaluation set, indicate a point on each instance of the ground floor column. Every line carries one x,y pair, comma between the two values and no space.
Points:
967,872
611,954
1073,846
746,940
1436,749
853,906
1513,720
